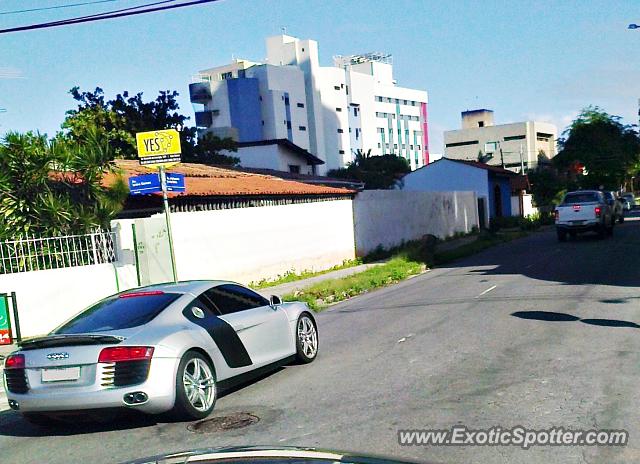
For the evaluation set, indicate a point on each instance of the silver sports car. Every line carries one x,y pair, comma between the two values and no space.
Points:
169,347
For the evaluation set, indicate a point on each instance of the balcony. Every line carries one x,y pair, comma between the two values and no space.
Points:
204,119
200,92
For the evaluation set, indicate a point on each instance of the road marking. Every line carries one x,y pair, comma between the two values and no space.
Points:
487,291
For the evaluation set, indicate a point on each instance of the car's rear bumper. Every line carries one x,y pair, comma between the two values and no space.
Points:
588,227
159,388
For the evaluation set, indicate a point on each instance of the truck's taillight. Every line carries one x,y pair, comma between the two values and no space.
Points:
557,215
125,353
598,211
15,361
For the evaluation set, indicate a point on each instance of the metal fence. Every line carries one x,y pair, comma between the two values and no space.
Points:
36,254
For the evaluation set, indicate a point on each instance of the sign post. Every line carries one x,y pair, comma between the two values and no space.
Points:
160,149
6,337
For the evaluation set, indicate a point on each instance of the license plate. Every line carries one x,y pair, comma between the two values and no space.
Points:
61,374
577,222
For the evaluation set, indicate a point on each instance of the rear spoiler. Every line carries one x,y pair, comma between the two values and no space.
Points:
68,340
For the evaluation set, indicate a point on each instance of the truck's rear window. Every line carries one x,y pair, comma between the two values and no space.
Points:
581,197
117,313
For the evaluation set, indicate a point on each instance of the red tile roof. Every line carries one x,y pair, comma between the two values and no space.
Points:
203,180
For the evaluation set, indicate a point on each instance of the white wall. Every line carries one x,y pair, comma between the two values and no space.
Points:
248,244
389,217
273,156
48,298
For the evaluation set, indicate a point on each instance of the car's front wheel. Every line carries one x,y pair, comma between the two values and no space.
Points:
196,389
306,339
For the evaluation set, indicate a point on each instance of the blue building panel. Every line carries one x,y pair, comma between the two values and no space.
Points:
244,108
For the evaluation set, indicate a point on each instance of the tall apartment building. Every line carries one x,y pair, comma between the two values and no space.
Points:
331,111
514,145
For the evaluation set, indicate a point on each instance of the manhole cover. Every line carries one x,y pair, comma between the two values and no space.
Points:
230,422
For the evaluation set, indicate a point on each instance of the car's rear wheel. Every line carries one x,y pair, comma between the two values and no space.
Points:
573,234
39,419
196,389
306,339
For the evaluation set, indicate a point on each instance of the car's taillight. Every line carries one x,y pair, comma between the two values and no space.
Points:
557,214
125,353
136,294
598,211
15,361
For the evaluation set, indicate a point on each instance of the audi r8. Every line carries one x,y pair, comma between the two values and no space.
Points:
162,348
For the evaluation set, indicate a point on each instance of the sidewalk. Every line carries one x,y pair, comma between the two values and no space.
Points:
290,287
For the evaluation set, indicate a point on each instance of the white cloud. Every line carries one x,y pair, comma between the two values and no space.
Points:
8,72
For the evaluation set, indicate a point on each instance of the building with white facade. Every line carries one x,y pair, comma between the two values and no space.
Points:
510,145
330,111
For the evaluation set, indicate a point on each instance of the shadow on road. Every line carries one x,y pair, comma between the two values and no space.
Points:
585,261
12,424
549,316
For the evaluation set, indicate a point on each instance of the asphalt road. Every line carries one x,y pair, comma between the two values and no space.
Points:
438,350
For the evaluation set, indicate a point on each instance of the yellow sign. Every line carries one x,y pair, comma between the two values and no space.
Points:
158,148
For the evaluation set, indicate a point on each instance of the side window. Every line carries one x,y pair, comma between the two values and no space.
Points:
231,298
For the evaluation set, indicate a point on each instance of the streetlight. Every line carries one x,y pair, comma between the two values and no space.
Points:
633,26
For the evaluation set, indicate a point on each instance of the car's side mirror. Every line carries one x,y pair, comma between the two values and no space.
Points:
274,300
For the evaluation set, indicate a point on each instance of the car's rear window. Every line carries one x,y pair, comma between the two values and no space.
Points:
581,197
117,313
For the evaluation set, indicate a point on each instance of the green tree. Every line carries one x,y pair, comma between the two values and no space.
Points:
119,119
608,150
377,172
54,187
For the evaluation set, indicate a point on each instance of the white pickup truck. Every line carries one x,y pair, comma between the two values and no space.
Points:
584,211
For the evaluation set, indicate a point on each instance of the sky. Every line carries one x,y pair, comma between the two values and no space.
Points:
543,60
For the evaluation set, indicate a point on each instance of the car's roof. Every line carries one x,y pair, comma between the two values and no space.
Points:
186,286
583,191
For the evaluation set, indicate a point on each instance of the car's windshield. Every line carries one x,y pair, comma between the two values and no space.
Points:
581,197
118,312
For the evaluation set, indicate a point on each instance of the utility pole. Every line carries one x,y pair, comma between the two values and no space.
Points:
501,157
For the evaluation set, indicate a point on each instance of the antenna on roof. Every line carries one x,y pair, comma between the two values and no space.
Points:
284,30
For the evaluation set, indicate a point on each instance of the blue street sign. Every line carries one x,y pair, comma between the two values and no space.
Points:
146,183
175,182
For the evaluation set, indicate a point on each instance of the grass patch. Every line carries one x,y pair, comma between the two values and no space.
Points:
321,294
292,275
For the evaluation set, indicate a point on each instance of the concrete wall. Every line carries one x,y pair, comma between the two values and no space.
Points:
389,217
48,298
249,244
446,175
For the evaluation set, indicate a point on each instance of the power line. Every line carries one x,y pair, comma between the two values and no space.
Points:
108,15
56,7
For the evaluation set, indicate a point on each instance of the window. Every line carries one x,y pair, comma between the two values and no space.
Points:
300,105
379,99
514,137
339,110
418,147
480,123
340,131
336,87
230,298
395,145
260,98
461,144
263,122
294,169
543,137
341,152
357,133
405,102
286,101
302,128
410,147
288,124
117,312
379,145
227,75
580,197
